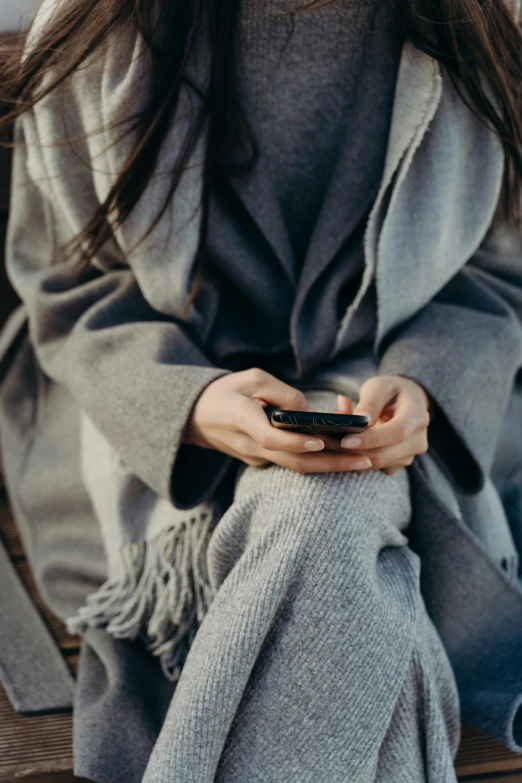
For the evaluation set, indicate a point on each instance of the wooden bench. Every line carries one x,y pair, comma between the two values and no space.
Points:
35,748
39,749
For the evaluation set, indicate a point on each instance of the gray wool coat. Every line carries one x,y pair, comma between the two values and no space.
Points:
112,342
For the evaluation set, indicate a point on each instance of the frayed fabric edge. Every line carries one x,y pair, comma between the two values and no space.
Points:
161,596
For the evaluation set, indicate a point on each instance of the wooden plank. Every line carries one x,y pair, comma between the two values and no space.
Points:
72,661
56,777
61,772
9,533
37,748
516,778
481,755
30,747
33,745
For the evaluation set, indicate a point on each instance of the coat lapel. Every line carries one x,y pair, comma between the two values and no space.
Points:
417,96
441,203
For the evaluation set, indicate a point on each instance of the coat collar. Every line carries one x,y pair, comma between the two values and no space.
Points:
417,95
434,204
446,170
432,208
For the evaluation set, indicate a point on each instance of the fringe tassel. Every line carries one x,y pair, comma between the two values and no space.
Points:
162,595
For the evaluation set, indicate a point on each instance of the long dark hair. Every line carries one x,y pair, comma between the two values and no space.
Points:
468,37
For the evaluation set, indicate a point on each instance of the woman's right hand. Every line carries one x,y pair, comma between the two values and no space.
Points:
229,417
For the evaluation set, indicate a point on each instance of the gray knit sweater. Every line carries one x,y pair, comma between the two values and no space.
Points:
317,89
309,84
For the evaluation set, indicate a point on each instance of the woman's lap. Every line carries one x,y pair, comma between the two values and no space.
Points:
306,658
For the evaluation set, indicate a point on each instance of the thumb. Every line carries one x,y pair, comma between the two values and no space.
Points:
279,394
344,404
374,395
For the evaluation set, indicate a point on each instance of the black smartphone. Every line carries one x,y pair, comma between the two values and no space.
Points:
335,425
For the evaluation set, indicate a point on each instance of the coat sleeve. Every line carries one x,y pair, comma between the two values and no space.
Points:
465,348
135,371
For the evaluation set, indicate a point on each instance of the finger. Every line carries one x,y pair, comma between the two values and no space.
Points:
253,421
374,395
344,404
264,386
241,446
275,438
399,454
323,462
408,419
391,471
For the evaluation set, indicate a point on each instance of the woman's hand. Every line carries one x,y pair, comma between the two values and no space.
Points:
229,417
399,410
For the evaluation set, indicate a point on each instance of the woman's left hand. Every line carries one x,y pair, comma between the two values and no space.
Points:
399,410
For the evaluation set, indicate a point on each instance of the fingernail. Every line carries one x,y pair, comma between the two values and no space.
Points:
362,463
314,445
350,442
365,413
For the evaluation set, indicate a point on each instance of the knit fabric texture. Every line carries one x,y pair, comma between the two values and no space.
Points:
298,78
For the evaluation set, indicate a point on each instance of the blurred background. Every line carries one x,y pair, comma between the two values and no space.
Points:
14,12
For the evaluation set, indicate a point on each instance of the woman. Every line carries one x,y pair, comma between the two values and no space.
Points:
367,259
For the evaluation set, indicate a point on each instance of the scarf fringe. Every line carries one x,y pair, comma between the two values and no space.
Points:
161,596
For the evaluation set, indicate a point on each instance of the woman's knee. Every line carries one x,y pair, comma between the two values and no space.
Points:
341,494
347,511
322,536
